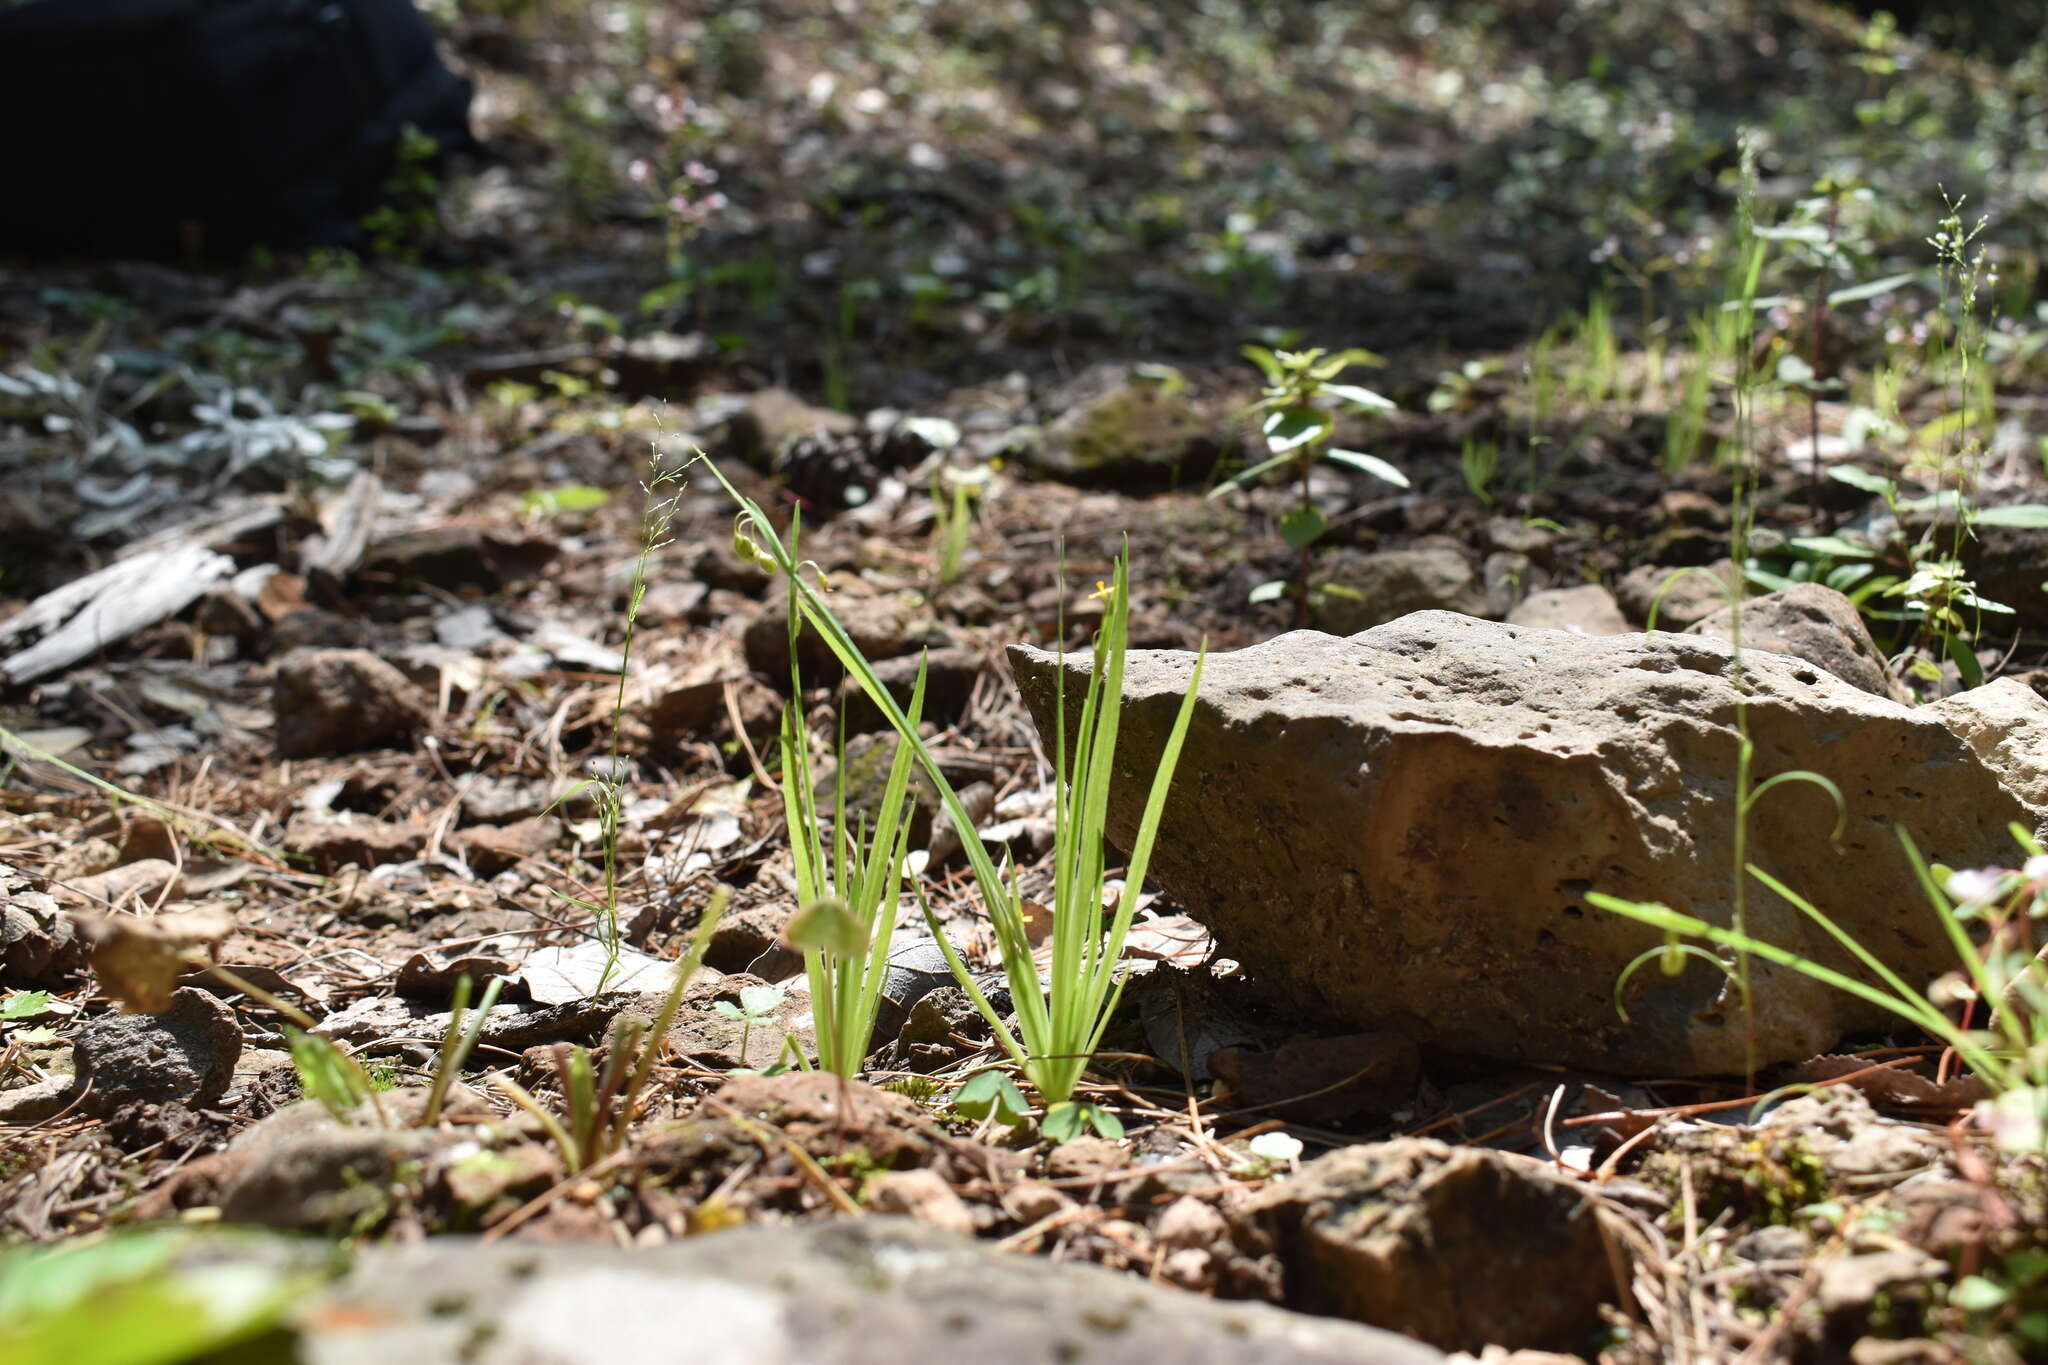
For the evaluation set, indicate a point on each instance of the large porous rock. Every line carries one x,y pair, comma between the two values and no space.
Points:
187,1054
2006,723
1809,621
877,1291
1455,1246
1398,830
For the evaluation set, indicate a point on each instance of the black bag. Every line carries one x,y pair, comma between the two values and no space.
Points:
174,126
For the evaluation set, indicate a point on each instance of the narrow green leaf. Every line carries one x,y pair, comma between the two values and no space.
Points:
1249,473
2030,516
1370,464
1873,289
1360,397
1858,477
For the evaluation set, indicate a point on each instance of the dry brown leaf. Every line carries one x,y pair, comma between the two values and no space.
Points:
139,959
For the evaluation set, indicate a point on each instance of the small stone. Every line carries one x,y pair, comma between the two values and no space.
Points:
1363,591
750,940
949,679
338,701
1456,1246
1460,785
187,1054
775,419
455,557
1086,1157
332,841
1190,1222
1682,596
923,1195
1030,1201
1588,609
1119,429
2005,723
1813,622
881,625
832,1293
492,849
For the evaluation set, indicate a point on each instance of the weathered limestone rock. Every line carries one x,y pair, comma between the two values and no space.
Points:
1809,621
1455,1246
878,1291
1398,830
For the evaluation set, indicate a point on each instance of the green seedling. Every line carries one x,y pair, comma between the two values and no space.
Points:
1480,461
989,1095
954,494
1060,1024
329,1075
1297,414
848,891
757,1005
602,1105
608,792
155,1296
458,1042
570,498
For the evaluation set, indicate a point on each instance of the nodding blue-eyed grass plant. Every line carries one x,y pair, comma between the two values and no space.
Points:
2004,977
1739,308
600,1105
848,886
1060,1023
608,792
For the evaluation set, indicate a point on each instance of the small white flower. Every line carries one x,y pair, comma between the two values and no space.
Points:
2035,869
1976,885
1275,1147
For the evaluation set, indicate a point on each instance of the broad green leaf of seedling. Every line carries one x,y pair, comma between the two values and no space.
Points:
1290,428
828,925
1302,527
756,1003
1068,1119
129,1300
1359,397
991,1094
1370,464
